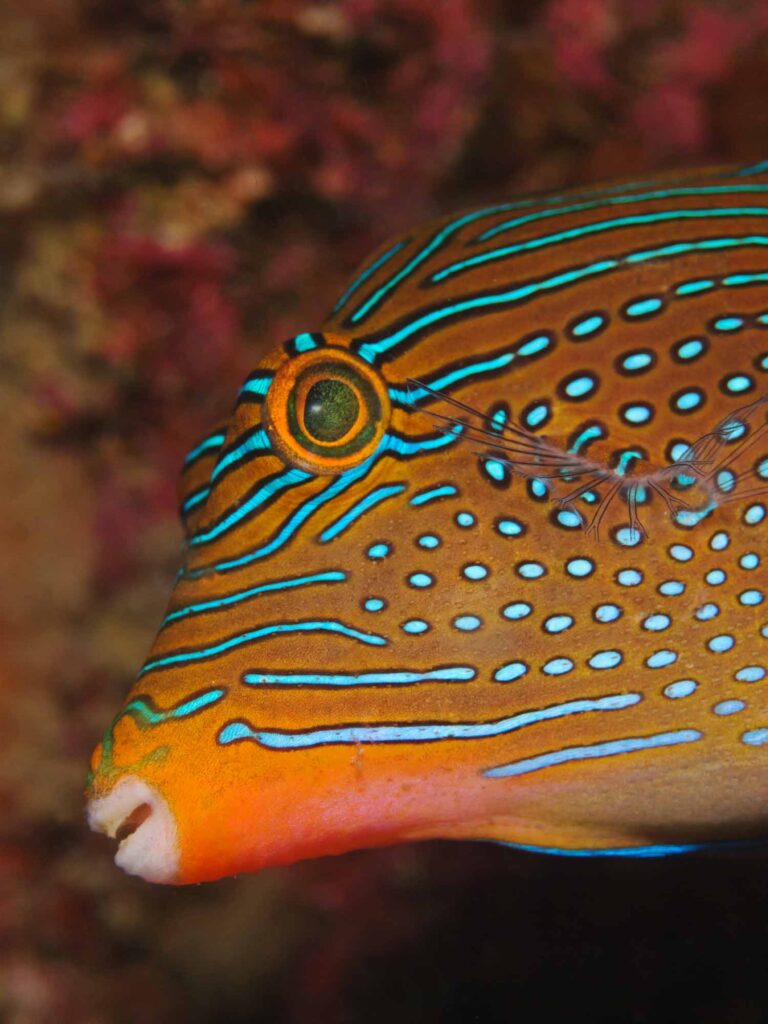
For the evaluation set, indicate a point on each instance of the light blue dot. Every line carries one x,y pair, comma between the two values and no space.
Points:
569,519
729,707
429,541
629,577
644,307
739,383
467,623
751,598
415,626
656,623
637,414
511,671
688,400
671,588
755,514
691,349
510,527
755,737
517,610
681,552
720,644
660,659
558,623
707,612
719,541
750,674
580,386
628,536
589,325
536,415
379,550
534,345
679,451
680,688
725,480
465,519
635,361
607,613
694,287
749,561
580,567
475,571
538,488
728,323
530,570
557,666
374,604
421,579
715,577
496,470
605,659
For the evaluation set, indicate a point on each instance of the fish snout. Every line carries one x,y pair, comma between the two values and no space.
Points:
135,815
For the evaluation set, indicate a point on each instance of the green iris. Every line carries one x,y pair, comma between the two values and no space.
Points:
331,410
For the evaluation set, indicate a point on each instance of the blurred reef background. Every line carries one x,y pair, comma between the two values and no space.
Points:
184,183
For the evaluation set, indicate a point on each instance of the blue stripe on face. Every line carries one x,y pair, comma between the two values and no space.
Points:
333,576
424,733
656,850
434,494
209,444
452,674
636,197
371,350
369,272
373,498
415,395
609,749
257,442
585,230
281,482
274,629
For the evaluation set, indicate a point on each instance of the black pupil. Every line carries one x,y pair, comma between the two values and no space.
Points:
331,410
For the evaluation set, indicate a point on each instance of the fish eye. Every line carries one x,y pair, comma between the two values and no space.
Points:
326,410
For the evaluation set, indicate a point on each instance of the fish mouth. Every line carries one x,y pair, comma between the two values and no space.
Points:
139,819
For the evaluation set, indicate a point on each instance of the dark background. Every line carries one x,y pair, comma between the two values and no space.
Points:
182,184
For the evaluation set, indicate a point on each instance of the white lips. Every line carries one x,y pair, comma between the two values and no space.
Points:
149,846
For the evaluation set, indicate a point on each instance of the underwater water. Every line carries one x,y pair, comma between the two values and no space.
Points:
182,187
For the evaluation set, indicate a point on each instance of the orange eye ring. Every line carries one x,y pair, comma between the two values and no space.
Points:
326,410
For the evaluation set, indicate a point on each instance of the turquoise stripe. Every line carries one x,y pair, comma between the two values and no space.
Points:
333,576
284,481
258,442
410,396
444,491
375,497
597,228
369,272
452,674
371,350
421,733
609,749
208,444
636,197
274,629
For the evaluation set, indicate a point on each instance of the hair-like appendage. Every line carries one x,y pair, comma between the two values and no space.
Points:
710,472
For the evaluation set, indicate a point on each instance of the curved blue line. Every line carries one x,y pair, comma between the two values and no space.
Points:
208,444
275,629
370,350
368,272
454,674
654,850
258,442
290,478
334,576
411,396
596,228
424,497
373,498
423,733
609,749
637,197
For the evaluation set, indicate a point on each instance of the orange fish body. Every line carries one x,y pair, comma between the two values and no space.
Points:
483,558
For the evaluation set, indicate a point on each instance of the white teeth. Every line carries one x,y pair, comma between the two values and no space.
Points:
136,815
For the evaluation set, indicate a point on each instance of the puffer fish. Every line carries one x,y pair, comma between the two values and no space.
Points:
483,557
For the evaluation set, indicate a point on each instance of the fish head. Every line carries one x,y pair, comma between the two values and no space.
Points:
242,742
